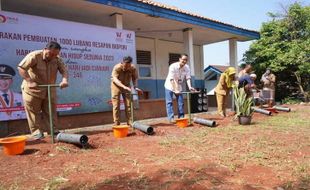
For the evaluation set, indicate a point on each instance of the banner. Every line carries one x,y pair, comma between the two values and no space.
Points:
89,51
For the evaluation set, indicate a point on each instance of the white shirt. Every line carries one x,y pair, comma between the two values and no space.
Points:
177,74
15,101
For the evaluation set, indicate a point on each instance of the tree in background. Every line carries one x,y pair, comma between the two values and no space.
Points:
284,46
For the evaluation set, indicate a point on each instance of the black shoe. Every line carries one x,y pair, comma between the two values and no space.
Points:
55,132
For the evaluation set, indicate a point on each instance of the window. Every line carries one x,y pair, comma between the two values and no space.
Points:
144,63
145,71
173,57
143,57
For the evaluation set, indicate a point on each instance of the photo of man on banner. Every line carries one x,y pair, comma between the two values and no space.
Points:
11,103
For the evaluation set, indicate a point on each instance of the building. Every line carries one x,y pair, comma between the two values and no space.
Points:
212,75
162,33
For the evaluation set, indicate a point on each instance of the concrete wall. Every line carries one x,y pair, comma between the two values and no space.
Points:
155,85
160,62
146,110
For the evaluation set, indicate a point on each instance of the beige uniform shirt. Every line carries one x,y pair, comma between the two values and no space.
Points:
41,72
221,87
270,84
125,76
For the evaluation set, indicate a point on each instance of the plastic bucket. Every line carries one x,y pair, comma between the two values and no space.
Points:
13,145
120,131
182,122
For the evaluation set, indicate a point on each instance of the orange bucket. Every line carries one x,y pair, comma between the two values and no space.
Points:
182,122
120,131
13,145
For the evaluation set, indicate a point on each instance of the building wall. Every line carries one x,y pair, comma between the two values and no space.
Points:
210,85
160,62
146,110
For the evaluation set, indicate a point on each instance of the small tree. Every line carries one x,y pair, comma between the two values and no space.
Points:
284,46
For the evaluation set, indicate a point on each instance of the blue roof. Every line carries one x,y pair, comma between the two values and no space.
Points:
211,68
159,10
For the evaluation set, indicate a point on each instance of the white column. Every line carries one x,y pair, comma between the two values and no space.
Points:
233,57
117,20
233,62
202,66
155,65
188,47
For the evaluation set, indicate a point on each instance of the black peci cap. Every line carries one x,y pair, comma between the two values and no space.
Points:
6,71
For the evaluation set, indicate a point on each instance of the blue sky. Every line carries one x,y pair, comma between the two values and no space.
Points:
249,14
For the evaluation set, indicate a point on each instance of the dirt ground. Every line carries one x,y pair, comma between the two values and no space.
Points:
272,153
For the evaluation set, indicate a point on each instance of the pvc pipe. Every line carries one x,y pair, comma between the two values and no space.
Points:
142,127
279,108
72,138
262,111
206,122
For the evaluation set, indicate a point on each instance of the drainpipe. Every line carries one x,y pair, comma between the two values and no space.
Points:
205,122
279,108
262,111
72,138
144,128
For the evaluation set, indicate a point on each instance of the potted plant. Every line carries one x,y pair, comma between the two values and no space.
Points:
243,105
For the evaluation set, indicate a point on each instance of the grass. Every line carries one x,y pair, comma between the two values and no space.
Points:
13,186
259,146
279,142
54,183
117,150
64,149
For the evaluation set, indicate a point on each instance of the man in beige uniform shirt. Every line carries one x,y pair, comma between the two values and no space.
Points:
38,68
123,73
269,80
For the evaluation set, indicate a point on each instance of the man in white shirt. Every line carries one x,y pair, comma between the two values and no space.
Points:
178,72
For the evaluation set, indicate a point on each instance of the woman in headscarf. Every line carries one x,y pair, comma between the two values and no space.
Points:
222,89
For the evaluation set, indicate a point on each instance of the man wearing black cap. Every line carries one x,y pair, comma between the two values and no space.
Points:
40,67
8,98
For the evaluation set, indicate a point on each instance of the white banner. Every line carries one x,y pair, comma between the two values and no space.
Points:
89,51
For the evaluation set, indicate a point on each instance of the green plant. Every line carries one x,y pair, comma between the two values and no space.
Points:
291,100
243,103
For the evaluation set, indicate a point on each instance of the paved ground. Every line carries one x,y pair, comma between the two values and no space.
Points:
211,111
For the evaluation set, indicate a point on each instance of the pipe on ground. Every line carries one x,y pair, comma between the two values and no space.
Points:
262,111
144,128
206,122
279,108
72,138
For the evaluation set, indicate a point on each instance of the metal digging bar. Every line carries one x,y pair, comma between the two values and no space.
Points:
48,86
137,125
131,106
262,111
188,95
